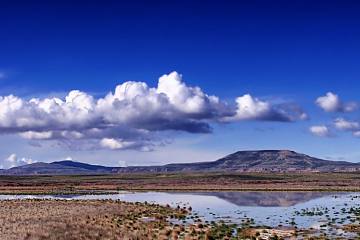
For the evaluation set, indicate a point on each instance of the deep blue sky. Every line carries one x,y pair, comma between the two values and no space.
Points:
294,50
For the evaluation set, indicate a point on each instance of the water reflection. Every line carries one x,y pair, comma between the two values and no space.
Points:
266,208
266,199
241,199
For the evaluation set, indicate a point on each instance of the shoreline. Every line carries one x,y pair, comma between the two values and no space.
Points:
84,193
59,193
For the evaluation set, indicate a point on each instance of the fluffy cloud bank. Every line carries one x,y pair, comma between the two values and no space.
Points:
332,103
132,116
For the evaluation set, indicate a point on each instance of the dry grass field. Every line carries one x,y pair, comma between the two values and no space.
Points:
181,182
73,220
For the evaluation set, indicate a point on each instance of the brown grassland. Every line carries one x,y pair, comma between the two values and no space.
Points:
181,182
111,220
90,219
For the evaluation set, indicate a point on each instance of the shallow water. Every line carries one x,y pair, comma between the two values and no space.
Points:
303,209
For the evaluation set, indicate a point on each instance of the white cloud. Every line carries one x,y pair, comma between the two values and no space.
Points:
339,124
250,108
14,161
191,100
332,103
342,124
320,131
115,144
356,134
133,116
36,135
346,125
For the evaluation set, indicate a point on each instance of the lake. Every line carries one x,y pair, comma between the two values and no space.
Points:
312,210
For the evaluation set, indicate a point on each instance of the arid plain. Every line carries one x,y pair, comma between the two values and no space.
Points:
180,182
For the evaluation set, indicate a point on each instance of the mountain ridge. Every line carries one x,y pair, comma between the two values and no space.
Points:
240,161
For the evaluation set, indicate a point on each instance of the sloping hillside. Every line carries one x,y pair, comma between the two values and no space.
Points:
242,161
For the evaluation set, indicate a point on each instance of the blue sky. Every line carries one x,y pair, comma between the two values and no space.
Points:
282,53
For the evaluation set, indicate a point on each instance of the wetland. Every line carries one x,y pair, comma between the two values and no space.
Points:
185,215
181,206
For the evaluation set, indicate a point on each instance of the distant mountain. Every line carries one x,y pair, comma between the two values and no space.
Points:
41,168
58,168
242,161
84,166
256,161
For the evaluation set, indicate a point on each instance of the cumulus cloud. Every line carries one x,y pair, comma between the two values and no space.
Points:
345,125
133,116
332,103
320,131
348,125
340,124
14,161
251,108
